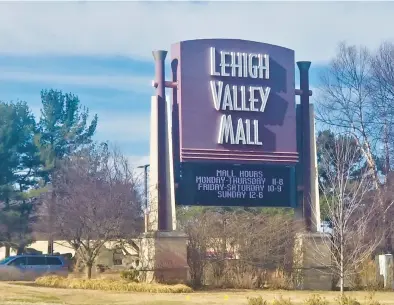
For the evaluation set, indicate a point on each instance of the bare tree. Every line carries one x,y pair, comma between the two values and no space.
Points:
382,93
198,229
261,238
348,210
345,100
351,101
96,201
235,248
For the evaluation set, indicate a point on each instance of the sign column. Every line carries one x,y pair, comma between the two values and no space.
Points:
162,188
304,66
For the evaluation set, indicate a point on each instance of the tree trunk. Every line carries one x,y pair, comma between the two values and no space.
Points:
389,247
50,245
387,225
50,223
341,281
89,270
20,250
387,235
7,250
341,271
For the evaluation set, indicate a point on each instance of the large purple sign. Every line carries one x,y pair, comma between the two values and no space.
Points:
235,101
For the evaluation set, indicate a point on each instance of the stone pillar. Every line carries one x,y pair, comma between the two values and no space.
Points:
315,202
314,187
313,261
163,257
163,251
161,152
153,172
170,175
386,270
312,250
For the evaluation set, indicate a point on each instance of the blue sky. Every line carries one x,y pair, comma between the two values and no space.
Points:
101,51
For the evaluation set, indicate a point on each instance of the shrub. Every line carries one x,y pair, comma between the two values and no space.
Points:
257,301
282,301
346,300
130,275
367,278
370,300
316,299
101,268
67,256
109,285
280,280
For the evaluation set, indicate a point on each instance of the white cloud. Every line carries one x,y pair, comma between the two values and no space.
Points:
313,29
123,127
136,161
36,110
118,126
119,82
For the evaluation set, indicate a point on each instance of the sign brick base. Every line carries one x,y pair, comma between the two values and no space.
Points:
313,262
163,257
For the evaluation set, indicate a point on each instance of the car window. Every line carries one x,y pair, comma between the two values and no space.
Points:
6,260
54,261
36,261
19,261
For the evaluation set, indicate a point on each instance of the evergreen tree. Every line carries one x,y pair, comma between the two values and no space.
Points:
63,130
18,164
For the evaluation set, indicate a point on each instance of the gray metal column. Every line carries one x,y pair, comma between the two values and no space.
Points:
304,66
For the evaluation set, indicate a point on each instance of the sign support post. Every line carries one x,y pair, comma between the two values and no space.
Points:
314,274
162,189
304,66
163,252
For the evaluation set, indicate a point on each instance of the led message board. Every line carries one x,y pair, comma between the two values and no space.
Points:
220,184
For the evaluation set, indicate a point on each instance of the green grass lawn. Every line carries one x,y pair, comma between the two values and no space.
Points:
16,293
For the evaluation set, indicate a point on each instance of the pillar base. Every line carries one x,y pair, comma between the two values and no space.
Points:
312,262
163,257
